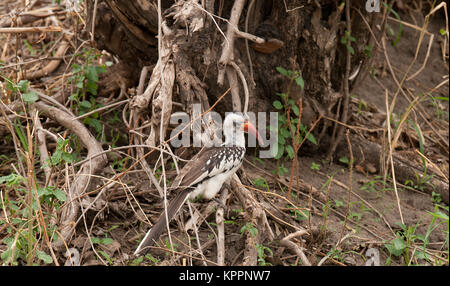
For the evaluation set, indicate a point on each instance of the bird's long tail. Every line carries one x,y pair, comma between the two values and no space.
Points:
153,234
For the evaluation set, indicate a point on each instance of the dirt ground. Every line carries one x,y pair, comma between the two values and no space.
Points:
323,193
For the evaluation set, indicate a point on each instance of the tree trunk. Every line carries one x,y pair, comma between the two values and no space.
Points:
311,33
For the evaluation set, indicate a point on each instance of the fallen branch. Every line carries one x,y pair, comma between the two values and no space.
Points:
294,247
52,65
28,17
70,210
30,29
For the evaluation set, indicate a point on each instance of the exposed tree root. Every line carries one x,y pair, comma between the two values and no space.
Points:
81,182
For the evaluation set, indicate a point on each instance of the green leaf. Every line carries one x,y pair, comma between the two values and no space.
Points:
285,132
250,228
23,85
421,254
76,68
59,195
351,50
44,257
277,104
67,157
30,96
80,83
100,69
290,151
259,182
311,138
12,180
300,82
282,95
338,203
315,166
56,157
91,74
94,123
106,256
368,51
280,152
95,240
283,71
396,246
344,160
441,98
296,112
399,245
85,104
92,87
107,240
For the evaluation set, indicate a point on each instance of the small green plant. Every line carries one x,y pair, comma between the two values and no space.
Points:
23,231
51,196
345,160
152,259
338,203
347,40
402,244
280,169
400,29
315,166
436,198
169,246
261,250
299,215
368,51
148,256
375,185
261,183
105,241
421,183
102,240
289,121
61,155
438,217
29,47
22,88
441,113
250,228
339,255
85,78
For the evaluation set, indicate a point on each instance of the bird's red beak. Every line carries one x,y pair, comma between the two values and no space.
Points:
250,128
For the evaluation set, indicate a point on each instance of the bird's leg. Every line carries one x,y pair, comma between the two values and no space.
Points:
225,207
227,186
219,202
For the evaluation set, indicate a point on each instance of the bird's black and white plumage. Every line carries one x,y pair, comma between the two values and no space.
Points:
205,173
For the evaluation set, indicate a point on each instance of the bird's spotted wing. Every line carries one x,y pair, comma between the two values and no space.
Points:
208,163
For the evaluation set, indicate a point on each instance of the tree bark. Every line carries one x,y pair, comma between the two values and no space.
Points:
311,36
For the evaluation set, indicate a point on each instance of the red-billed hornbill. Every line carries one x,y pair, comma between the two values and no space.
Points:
205,173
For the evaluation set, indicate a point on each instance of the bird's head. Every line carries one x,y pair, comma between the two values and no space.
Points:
237,122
